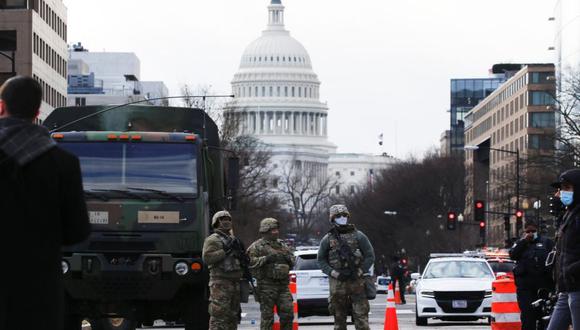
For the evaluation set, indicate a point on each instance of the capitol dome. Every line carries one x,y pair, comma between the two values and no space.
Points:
277,95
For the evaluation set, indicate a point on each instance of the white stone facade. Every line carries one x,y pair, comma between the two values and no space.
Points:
277,97
354,172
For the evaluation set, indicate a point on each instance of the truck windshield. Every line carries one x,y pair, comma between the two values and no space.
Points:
167,167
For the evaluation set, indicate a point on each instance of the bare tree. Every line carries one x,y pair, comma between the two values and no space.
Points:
307,188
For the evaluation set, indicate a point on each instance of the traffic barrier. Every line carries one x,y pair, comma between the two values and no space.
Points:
505,312
391,322
276,325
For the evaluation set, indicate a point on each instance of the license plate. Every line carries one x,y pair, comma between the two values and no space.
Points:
459,303
323,281
99,217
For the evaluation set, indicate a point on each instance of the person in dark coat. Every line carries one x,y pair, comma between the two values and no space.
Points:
531,274
567,259
42,208
398,272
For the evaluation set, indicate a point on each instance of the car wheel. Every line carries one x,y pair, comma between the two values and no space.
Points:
420,321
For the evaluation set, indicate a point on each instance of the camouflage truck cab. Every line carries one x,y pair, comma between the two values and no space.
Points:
152,176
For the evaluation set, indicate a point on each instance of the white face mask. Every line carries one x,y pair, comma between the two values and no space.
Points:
341,221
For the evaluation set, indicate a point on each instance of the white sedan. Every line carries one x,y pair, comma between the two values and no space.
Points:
454,289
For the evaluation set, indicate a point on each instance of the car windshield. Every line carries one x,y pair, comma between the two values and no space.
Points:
457,269
502,266
167,167
307,262
383,281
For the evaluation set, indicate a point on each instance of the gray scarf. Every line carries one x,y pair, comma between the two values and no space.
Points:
23,141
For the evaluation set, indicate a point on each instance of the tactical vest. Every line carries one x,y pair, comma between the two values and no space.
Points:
277,270
334,258
230,263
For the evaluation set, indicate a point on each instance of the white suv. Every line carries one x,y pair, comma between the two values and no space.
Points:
311,284
454,287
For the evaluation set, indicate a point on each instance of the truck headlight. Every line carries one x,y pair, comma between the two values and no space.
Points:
65,266
181,268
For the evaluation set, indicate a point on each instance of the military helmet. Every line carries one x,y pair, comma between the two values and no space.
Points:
337,209
218,215
268,224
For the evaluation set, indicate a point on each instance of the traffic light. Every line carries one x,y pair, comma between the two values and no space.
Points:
404,261
519,218
482,229
479,210
451,220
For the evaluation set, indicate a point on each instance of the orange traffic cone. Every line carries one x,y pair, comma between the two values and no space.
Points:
397,294
391,322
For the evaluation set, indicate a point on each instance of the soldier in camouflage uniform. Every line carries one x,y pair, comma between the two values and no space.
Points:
270,262
219,253
345,254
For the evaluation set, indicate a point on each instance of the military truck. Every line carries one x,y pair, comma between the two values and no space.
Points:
152,176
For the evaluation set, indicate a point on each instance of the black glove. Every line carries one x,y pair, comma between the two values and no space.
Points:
344,275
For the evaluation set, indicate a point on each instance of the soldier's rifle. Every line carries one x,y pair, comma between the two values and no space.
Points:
239,252
345,253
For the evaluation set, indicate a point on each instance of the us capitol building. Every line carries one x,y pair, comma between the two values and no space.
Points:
277,100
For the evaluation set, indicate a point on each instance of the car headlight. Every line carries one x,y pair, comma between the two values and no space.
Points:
488,293
181,268
428,294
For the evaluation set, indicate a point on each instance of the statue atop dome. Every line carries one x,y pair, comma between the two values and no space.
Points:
276,2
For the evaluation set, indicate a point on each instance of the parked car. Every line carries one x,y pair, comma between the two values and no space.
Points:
382,283
312,289
454,287
500,265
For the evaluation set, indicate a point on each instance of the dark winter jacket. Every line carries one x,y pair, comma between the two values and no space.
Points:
568,252
531,272
42,208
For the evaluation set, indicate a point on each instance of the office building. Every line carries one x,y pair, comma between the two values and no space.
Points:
33,43
517,119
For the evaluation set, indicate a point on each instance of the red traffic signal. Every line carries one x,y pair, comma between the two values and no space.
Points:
451,215
519,214
479,210
482,224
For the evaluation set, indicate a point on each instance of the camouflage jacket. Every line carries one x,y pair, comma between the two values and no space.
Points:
273,272
328,253
220,265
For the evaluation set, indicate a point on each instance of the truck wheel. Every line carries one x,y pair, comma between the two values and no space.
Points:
195,314
113,324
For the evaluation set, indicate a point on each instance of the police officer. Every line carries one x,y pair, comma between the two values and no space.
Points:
270,262
345,254
567,260
219,253
398,272
531,274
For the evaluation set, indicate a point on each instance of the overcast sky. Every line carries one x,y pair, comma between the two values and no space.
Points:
384,65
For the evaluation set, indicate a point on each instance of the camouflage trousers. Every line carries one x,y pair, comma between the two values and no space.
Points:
224,304
275,295
344,296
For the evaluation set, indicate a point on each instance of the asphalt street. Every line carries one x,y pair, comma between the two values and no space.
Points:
405,317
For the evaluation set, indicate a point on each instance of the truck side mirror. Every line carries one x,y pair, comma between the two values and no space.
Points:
233,181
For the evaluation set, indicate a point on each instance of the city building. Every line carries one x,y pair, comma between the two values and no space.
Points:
355,172
277,99
466,94
505,134
96,78
33,43
566,20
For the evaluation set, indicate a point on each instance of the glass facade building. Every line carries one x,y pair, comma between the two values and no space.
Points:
466,94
